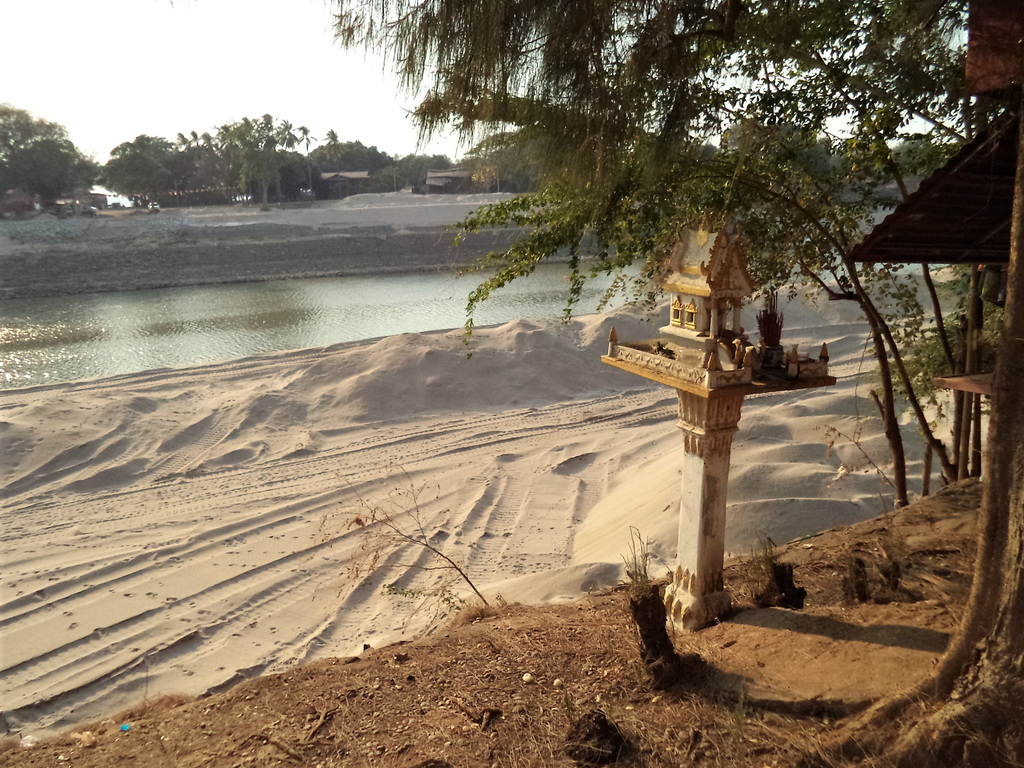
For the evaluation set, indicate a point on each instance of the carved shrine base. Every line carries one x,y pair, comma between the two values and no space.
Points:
697,596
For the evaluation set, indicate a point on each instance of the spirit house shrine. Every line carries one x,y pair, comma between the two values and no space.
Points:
706,356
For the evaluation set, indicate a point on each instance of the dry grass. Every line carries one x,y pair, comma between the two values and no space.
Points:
460,698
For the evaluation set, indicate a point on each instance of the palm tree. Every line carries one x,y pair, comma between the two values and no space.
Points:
306,138
211,164
187,165
332,146
251,147
265,141
285,137
332,149
188,142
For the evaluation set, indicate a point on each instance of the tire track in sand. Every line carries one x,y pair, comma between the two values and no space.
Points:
221,550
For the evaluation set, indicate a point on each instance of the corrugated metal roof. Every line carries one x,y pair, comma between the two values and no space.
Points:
349,175
450,174
959,215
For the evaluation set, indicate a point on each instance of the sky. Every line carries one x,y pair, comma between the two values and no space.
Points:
110,70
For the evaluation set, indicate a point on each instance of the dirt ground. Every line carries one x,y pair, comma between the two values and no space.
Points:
506,687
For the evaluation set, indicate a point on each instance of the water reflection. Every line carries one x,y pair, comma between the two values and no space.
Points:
69,338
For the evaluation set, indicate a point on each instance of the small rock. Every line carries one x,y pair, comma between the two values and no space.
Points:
528,679
85,738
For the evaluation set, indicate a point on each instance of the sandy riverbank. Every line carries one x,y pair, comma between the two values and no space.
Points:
180,530
129,250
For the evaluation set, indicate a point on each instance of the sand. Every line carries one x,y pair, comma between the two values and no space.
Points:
177,531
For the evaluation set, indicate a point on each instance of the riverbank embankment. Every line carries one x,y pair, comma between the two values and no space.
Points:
131,250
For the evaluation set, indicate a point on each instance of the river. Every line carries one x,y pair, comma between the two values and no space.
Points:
68,338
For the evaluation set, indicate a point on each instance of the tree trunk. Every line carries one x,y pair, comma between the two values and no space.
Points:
879,326
890,424
656,651
980,724
940,323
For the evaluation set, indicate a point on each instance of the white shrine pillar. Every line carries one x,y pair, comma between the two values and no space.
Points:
696,596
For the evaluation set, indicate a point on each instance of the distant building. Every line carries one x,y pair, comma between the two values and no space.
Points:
452,181
344,183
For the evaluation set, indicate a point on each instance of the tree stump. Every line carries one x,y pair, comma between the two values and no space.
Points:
594,740
657,653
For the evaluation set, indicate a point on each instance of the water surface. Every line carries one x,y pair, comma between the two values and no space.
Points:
67,338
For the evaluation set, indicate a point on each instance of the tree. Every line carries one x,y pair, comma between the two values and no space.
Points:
411,170
351,155
657,115
332,148
306,139
37,157
503,165
978,687
141,169
286,140
251,148
293,175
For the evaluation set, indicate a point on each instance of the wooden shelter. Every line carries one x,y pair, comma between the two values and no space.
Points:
960,214
344,183
452,181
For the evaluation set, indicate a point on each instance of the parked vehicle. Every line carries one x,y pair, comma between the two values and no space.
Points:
154,207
